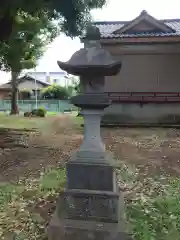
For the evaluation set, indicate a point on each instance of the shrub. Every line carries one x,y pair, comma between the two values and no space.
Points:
40,112
55,92
27,114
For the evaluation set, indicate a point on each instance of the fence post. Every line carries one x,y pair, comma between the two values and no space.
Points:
59,108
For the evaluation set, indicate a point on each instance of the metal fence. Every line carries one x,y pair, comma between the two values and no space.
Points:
49,105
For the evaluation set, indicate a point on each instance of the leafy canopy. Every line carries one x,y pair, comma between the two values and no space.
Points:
71,15
55,92
30,35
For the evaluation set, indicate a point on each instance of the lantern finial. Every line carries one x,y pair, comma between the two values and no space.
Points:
92,33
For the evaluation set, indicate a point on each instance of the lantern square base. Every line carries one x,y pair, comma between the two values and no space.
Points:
67,229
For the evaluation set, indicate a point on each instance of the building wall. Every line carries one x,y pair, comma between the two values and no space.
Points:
26,85
147,113
4,95
146,69
49,77
29,85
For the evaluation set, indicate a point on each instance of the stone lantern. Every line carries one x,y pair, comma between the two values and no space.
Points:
91,206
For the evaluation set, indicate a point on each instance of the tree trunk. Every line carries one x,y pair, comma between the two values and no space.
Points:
14,105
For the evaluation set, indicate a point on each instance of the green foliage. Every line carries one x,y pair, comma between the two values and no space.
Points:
40,112
70,90
23,205
52,180
71,16
77,88
153,206
26,44
55,92
76,85
73,86
152,213
157,218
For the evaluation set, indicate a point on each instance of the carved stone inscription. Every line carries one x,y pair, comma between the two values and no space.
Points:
91,177
95,207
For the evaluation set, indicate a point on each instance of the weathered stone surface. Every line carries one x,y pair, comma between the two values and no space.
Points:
95,101
94,157
89,205
92,141
93,85
93,60
90,176
67,229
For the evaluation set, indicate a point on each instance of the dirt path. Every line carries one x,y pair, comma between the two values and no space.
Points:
152,151
52,147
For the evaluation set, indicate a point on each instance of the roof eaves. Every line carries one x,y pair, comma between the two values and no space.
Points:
170,20
144,16
29,78
109,22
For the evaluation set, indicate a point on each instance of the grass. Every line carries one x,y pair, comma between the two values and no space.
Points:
20,122
152,200
157,217
152,214
153,208
22,205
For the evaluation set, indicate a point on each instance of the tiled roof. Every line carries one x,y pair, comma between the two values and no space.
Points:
24,78
107,29
5,86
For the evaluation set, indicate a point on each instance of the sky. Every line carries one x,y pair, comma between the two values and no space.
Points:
63,47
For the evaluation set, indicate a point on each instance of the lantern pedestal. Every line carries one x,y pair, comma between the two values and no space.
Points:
91,206
82,230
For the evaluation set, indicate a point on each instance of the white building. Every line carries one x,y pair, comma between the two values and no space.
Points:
60,78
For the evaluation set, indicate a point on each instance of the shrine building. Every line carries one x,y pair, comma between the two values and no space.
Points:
147,89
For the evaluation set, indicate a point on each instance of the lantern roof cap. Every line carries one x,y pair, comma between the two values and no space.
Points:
93,59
